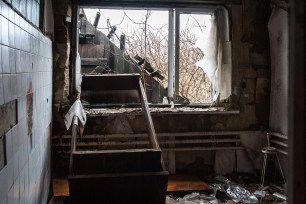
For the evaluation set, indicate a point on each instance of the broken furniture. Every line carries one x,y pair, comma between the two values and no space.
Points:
121,175
269,152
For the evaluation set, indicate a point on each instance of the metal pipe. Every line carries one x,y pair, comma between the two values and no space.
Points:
177,54
147,115
171,55
73,141
97,18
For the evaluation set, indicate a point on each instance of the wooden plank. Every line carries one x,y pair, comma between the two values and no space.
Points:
60,187
99,162
187,183
93,61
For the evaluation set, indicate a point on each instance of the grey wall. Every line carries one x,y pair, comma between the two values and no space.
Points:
279,41
25,107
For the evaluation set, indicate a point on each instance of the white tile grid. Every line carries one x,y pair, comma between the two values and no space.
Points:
20,162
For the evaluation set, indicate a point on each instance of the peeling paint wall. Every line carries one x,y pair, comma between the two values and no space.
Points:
279,40
250,88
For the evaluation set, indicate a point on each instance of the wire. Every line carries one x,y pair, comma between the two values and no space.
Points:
131,19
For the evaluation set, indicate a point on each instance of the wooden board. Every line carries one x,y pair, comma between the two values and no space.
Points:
183,183
60,187
176,183
137,188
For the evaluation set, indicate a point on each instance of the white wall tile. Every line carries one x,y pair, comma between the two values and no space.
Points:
17,37
6,87
19,152
5,62
13,86
5,31
17,61
11,16
11,34
12,60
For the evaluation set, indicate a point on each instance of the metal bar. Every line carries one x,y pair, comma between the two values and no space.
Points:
202,149
282,136
118,143
174,149
177,54
73,141
155,4
171,53
282,152
279,143
148,118
174,134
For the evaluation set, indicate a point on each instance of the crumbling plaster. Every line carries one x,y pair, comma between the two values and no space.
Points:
251,85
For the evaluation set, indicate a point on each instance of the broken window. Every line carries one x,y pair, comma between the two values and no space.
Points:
180,53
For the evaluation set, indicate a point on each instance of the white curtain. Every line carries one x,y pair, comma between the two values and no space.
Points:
216,62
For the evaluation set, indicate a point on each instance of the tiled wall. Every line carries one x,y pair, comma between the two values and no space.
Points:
28,8
25,80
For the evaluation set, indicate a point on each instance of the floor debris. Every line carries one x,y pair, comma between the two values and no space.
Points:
229,192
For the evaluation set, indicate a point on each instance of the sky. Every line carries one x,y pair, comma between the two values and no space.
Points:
128,20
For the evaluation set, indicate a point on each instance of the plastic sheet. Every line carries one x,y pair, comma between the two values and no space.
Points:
235,191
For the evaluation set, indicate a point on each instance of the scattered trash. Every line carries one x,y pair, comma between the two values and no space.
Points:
235,191
170,200
280,196
260,193
193,198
